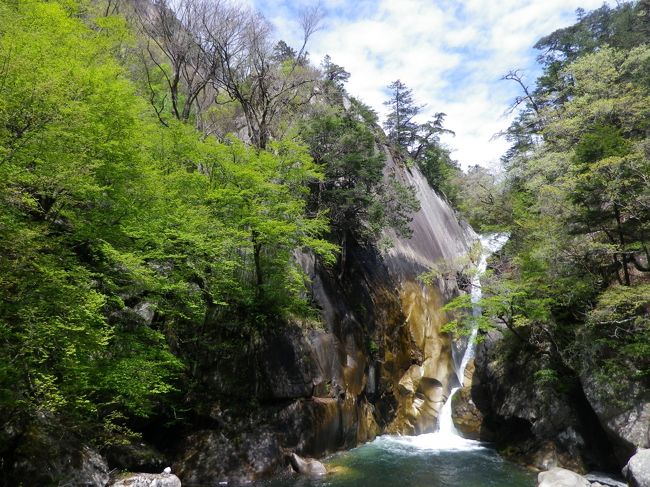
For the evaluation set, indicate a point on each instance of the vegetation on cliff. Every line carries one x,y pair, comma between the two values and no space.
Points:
573,281
160,168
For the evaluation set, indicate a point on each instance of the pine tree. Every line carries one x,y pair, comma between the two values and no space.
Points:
399,125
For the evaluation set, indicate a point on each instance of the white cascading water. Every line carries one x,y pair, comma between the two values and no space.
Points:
447,437
489,244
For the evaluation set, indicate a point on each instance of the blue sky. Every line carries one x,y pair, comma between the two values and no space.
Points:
451,53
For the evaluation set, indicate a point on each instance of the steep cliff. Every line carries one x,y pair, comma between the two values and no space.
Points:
379,363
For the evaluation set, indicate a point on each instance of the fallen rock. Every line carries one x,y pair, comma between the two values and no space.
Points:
561,477
307,466
637,470
165,479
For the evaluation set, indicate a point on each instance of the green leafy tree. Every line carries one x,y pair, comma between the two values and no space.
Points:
576,184
70,168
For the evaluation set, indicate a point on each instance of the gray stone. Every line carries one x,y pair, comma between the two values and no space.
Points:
560,477
47,455
603,479
637,470
210,456
623,409
147,480
307,466
146,311
91,471
537,424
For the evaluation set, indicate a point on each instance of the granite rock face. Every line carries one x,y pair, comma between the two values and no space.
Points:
637,470
378,363
375,361
47,454
623,409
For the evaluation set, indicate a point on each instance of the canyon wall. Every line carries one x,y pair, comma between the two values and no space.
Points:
378,364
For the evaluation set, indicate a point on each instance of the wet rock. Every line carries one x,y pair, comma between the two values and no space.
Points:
560,477
468,419
91,469
409,382
637,470
603,480
165,479
307,466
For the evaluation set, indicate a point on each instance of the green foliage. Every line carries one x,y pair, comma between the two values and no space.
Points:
421,142
263,196
600,142
576,268
440,171
480,197
70,171
399,125
546,377
619,327
354,192
123,240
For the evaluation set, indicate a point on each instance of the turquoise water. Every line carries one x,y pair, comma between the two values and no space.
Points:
431,460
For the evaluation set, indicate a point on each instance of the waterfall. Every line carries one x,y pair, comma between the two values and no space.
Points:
490,243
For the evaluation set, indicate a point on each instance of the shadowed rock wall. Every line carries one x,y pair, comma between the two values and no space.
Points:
379,363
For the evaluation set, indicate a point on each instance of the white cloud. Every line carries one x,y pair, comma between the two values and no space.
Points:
452,54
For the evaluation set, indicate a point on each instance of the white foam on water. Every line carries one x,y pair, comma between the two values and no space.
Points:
428,442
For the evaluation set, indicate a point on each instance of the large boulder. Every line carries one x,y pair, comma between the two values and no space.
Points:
45,453
560,477
637,470
307,466
623,408
600,479
468,419
210,456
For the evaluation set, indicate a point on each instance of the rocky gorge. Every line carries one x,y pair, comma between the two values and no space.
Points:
218,266
550,423
379,364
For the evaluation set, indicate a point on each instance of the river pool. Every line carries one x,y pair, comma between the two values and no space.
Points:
430,460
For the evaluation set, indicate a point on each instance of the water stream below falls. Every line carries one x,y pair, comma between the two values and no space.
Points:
415,461
440,459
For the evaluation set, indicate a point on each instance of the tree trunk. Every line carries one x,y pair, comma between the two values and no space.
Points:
257,250
619,228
